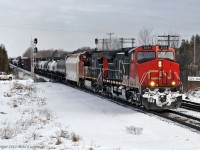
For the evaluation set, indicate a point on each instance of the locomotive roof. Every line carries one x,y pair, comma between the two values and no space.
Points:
131,50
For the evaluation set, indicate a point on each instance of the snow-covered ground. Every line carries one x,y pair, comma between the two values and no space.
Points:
193,96
53,116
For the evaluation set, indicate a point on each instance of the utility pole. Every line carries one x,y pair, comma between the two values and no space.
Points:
194,48
127,40
101,41
110,35
33,62
168,39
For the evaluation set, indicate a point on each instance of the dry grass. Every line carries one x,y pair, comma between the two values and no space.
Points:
58,140
15,104
134,130
35,136
64,134
18,88
7,132
7,95
45,115
75,137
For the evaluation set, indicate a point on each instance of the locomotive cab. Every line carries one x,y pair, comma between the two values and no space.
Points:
156,75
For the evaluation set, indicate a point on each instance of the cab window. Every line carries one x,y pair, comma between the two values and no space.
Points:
145,56
166,55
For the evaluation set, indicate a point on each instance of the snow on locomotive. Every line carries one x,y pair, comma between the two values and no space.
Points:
147,75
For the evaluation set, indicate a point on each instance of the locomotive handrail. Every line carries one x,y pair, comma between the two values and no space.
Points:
103,69
112,70
94,68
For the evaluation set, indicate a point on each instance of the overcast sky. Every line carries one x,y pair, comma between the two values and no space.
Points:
70,24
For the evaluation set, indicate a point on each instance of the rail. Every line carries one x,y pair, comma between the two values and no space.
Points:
190,105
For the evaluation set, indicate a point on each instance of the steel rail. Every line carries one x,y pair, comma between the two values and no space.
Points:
190,105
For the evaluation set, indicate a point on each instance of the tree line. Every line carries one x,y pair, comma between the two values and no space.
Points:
4,63
189,60
45,53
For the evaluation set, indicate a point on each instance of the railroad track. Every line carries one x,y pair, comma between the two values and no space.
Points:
177,117
190,105
181,118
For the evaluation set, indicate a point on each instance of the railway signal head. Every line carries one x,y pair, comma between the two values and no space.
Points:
35,41
96,41
35,50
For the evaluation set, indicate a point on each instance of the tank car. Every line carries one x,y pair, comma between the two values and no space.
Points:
53,67
60,68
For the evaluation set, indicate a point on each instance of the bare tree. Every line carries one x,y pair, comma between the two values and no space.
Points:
145,37
116,45
28,53
107,44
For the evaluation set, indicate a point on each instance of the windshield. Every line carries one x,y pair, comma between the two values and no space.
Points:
145,56
168,55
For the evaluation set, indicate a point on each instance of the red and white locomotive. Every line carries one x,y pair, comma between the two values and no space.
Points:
147,75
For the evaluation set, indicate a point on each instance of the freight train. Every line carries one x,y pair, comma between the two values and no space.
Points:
147,76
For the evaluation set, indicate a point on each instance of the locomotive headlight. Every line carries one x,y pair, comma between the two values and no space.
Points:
152,83
160,63
173,83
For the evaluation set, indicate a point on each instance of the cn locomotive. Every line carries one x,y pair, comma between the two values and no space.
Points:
147,76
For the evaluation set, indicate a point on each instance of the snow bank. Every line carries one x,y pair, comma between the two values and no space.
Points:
53,116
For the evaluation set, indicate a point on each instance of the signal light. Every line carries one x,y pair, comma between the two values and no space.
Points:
96,41
35,50
35,41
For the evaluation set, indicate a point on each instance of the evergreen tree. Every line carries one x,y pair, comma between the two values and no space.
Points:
185,57
4,64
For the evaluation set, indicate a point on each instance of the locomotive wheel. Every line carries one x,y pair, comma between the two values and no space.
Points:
110,95
95,89
134,99
138,100
130,98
